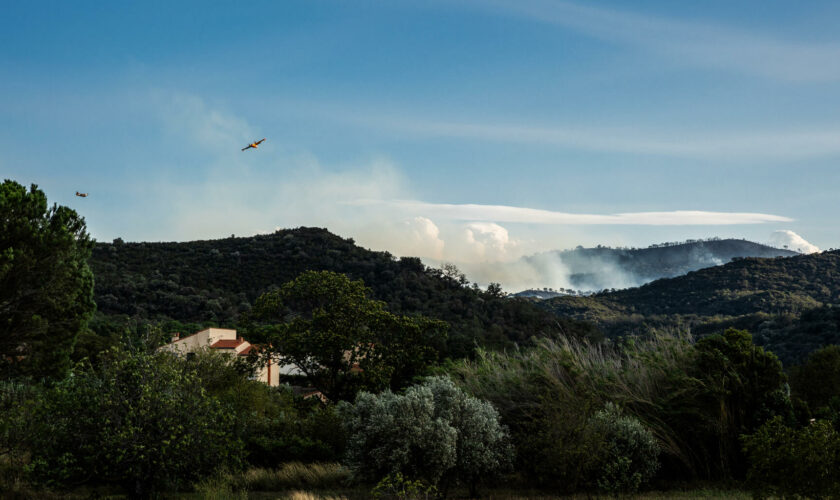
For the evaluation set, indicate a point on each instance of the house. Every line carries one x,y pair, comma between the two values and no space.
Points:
229,342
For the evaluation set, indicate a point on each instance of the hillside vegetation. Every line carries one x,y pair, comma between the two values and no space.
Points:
559,414
788,303
208,282
599,268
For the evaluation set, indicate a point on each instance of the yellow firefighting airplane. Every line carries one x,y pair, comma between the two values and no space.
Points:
254,145
83,195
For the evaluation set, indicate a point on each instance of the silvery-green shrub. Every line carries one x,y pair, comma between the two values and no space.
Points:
629,453
434,431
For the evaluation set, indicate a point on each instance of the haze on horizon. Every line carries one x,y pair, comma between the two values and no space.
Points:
463,131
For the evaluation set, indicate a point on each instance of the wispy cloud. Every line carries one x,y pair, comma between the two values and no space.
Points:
709,141
754,145
503,213
692,43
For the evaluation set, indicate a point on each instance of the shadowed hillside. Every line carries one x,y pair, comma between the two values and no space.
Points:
786,302
215,281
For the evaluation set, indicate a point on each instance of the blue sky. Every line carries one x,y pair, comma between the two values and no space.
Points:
464,130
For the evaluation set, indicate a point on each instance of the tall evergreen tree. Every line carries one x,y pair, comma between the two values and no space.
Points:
46,287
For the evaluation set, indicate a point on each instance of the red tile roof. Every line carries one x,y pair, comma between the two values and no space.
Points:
246,351
227,344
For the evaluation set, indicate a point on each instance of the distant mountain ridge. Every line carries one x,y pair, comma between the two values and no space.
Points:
790,304
600,268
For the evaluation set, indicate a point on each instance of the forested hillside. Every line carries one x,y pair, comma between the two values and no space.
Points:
788,303
599,268
215,281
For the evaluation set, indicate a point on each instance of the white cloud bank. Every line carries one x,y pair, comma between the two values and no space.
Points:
788,239
503,213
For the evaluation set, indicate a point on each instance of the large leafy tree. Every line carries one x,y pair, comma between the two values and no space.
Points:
342,340
46,287
744,387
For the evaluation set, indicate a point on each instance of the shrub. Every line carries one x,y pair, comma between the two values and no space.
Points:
629,453
142,420
434,432
18,402
398,487
275,425
818,380
786,461
292,429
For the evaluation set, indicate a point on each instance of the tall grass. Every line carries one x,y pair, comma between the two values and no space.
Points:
570,378
294,475
218,489
290,476
306,495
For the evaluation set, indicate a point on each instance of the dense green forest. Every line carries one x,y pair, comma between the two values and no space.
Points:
788,303
213,282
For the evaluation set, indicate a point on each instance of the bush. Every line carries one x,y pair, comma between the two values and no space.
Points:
142,420
275,425
292,429
629,455
18,402
434,432
786,461
818,380
398,487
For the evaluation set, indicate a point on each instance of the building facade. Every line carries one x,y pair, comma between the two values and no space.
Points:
229,342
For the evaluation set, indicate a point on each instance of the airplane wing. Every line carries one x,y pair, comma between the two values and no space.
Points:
247,147
261,140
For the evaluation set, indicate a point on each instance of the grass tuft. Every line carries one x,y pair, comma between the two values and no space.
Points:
295,475
290,476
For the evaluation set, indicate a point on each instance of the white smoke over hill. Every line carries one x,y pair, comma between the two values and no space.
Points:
790,240
593,269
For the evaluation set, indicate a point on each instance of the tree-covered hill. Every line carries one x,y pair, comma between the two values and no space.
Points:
786,302
215,281
599,268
